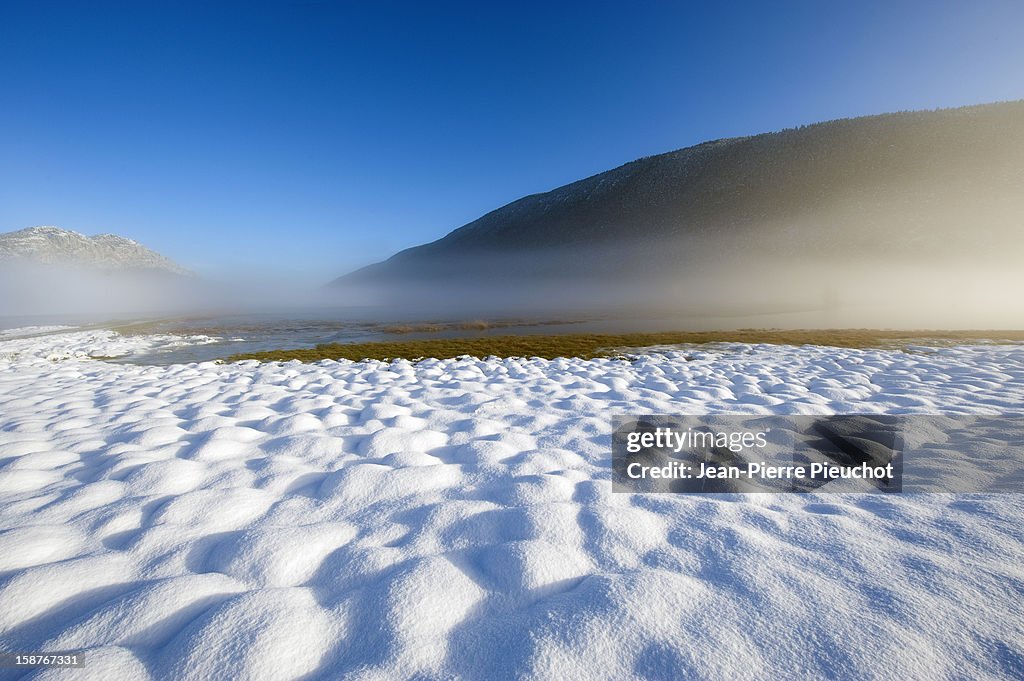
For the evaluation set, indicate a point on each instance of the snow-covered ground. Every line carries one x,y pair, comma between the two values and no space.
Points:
32,344
23,331
454,519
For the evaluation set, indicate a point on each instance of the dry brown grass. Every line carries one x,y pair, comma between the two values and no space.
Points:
604,345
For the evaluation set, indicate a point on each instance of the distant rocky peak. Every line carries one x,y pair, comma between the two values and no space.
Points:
47,244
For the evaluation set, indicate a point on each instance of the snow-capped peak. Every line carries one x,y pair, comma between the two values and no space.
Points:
52,245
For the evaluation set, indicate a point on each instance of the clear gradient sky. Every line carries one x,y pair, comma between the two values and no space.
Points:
314,137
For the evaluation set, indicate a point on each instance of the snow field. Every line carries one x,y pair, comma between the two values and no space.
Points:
454,519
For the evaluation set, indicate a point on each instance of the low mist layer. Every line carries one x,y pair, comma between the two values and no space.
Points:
778,294
56,290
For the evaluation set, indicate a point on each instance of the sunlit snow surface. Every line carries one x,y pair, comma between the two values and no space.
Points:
454,519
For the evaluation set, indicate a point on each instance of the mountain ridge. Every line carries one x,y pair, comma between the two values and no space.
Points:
908,183
49,245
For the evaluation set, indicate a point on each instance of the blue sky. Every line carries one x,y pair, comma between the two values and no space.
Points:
312,137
